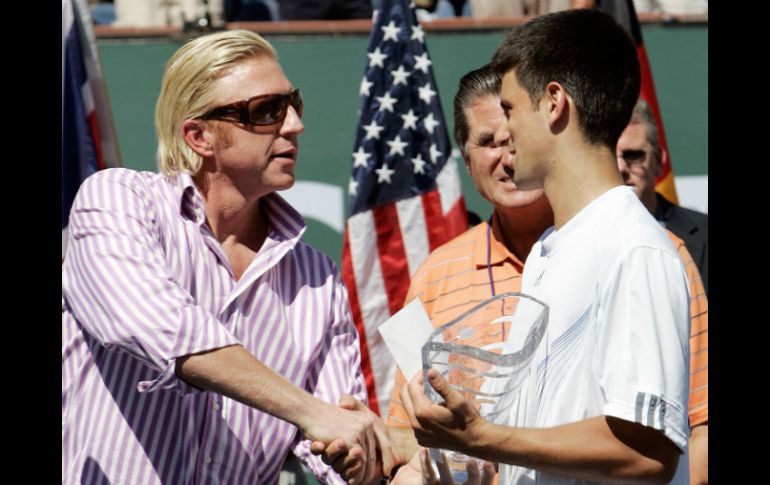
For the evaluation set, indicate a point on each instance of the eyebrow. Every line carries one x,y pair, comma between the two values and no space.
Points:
484,137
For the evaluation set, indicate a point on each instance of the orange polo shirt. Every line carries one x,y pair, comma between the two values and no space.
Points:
454,278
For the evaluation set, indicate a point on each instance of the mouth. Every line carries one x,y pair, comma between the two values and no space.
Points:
290,153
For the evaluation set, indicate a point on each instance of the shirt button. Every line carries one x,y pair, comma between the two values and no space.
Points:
216,406
207,460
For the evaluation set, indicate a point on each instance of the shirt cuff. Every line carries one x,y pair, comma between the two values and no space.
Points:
198,332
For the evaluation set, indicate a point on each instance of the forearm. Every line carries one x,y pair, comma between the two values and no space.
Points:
234,372
601,448
699,455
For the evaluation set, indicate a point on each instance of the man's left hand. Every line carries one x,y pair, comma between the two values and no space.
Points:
455,424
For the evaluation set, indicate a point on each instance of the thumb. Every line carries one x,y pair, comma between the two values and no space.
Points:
348,402
452,398
317,447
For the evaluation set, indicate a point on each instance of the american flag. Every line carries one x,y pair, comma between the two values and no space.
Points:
405,192
88,141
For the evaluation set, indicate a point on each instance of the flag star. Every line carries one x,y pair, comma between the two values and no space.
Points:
434,153
376,58
410,120
386,102
397,146
400,75
365,85
426,93
373,130
421,62
361,157
352,187
391,32
383,174
411,4
419,164
429,122
418,34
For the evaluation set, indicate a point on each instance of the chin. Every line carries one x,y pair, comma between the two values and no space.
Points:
287,185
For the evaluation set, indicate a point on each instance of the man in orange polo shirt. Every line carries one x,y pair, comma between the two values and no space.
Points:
489,258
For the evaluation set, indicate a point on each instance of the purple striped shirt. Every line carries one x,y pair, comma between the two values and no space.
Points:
144,282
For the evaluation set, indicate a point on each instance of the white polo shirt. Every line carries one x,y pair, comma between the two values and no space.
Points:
617,341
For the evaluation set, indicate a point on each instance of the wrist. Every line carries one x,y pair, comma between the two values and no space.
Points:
385,480
479,438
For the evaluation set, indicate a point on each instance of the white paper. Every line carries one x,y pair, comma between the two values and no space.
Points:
404,334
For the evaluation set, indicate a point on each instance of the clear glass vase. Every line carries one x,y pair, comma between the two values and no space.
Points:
485,354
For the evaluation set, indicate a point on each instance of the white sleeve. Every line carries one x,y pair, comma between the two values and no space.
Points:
643,361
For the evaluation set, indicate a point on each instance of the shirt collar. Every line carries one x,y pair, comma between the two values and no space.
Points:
286,224
498,252
190,200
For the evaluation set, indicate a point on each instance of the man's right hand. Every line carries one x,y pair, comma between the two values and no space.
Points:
348,431
350,461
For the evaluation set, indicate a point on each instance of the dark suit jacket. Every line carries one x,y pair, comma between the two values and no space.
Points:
693,228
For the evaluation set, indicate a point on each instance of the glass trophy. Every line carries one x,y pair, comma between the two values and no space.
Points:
485,355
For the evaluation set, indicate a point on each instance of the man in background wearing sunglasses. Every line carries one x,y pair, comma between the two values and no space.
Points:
201,338
640,160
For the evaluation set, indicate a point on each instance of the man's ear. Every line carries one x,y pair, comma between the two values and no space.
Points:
467,161
556,103
195,135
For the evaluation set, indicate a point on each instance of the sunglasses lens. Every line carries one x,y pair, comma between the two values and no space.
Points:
296,101
267,111
633,156
270,110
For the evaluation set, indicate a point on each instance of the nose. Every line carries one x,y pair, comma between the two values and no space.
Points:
292,124
505,144
502,135
622,167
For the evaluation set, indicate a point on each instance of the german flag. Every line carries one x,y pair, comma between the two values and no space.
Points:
624,13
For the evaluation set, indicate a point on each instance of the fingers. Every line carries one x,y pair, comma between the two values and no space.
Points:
428,474
351,466
331,453
488,473
444,472
474,472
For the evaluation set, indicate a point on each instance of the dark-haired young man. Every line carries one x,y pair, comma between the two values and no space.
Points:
609,399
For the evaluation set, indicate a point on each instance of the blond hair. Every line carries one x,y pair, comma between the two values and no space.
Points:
186,90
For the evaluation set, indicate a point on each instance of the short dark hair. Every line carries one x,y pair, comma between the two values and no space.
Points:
590,55
474,84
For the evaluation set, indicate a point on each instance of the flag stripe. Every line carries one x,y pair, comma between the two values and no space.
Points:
449,185
355,308
392,255
412,222
434,220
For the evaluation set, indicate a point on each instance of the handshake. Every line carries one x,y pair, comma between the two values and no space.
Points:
363,450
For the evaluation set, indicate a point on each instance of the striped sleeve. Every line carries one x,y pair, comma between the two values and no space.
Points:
337,368
118,285
699,342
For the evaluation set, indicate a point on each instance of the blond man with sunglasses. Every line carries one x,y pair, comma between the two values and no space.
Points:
201,338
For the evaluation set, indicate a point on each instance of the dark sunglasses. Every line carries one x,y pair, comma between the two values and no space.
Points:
633,156
262,110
